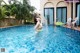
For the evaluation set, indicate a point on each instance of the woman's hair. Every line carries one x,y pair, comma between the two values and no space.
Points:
35,17
35,21
39,14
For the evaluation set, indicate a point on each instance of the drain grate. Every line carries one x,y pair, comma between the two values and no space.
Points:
2,50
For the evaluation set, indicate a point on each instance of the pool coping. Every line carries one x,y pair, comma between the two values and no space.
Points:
13,26
74,28
69,28
33,24
10,26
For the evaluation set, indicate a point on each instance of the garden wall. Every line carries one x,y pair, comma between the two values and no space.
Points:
10,22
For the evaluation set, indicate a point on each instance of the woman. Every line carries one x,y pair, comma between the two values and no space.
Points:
38,25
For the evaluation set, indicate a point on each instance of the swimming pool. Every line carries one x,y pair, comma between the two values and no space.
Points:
23,39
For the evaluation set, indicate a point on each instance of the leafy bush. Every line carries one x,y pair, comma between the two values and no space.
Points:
2,13
22,11
14,10
7,13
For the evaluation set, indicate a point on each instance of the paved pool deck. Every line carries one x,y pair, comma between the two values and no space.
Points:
75,28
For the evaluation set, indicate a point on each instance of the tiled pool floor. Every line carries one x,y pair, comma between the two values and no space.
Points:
24,39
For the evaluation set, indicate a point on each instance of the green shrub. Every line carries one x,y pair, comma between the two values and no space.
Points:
7,13
2,13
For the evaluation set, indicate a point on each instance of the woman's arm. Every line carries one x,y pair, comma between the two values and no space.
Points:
36,25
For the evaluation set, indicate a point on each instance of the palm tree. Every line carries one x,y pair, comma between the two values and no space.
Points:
2,10
22,11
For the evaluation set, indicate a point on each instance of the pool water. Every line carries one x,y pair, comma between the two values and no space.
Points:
24,39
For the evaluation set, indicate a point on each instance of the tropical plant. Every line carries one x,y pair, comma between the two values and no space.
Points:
2,13
22,10
28,9
14,10
2,10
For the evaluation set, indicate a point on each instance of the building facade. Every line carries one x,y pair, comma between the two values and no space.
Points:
59,10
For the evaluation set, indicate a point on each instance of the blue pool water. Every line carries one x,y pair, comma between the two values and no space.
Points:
24,39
